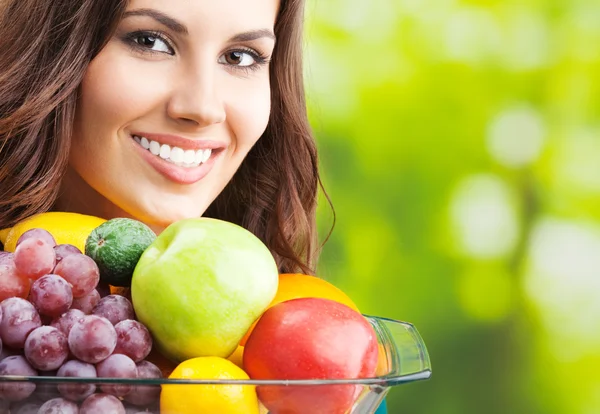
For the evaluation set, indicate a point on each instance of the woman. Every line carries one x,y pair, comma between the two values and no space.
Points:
160,111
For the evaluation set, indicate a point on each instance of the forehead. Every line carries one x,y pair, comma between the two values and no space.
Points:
215,15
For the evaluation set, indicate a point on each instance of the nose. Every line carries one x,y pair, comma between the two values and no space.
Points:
196,99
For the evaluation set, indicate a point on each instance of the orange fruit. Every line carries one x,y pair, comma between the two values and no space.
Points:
297,285
237,356
208,398
383,365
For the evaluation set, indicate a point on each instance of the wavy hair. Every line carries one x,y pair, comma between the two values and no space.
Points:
45,49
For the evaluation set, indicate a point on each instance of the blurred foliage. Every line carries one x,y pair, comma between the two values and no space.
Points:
460,144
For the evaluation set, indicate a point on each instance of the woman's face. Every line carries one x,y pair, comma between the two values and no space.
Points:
169,109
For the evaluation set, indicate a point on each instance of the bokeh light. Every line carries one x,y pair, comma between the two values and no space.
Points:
484,218
459,142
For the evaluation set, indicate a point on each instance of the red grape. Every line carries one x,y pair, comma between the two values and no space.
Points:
115,308
11,282
17,391
142,395
51,295
133,340
6,257
79,369
28,406
46,348
86,303
64,250
34,258
116,366
58,406
65,322
92,339
102,403
37,233
80,271
19,318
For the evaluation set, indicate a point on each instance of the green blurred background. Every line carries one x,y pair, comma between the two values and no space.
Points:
460,144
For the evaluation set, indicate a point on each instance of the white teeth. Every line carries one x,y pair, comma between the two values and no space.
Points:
206,156
165,151
198,156
189,156
175,155
154,147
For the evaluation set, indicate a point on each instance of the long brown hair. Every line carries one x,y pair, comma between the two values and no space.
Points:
45,48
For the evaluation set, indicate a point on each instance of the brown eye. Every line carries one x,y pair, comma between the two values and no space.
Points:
234,58
147,41
238,58
150,42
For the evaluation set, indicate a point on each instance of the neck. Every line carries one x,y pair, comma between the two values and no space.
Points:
77,196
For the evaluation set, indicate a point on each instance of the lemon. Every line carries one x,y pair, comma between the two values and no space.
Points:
217,398
67,228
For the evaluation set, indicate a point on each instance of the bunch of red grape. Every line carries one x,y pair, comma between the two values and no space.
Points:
56,321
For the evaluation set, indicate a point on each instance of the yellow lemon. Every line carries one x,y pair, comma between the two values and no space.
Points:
216,398
71,228
237,358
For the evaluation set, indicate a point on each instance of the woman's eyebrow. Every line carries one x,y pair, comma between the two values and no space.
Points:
180,28
253,35
160,17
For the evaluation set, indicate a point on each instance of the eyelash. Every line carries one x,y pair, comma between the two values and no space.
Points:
130,38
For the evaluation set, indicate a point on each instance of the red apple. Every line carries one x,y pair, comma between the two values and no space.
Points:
310,338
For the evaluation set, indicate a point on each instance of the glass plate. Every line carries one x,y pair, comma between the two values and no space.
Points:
403,359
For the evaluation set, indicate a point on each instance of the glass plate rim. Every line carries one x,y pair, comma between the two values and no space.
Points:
384,380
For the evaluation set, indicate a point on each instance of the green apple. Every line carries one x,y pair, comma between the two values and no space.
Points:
200,285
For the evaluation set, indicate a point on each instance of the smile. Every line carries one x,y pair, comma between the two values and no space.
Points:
187,158
178,159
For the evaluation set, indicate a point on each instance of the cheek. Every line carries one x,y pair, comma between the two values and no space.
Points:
113,94
248,112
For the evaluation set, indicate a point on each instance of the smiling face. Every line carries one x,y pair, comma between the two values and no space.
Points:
169,109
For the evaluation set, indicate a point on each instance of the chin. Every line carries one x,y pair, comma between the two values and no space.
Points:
160,218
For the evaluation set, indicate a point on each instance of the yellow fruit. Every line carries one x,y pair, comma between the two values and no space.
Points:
218,398
70,228
383,365
297,285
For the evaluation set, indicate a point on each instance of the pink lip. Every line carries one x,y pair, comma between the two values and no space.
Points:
183,143
175,173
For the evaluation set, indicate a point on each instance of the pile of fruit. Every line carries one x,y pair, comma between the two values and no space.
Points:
54,321
202,301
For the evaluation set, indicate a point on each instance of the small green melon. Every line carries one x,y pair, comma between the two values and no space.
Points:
116,246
